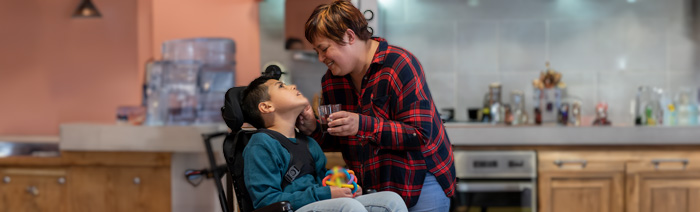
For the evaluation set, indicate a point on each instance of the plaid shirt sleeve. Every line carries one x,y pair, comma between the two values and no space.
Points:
326,142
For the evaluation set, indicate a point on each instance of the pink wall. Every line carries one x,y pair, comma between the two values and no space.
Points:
55,69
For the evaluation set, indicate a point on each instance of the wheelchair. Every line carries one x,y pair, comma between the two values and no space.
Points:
233,146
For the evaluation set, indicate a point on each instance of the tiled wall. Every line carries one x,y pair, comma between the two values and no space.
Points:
604,48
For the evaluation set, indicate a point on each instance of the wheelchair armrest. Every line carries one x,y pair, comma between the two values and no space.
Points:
276,207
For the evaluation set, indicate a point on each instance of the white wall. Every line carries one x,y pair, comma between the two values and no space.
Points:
604,48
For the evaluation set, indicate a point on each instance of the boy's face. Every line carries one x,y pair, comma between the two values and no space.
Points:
285,97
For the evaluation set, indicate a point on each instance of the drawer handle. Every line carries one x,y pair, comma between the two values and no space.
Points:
33,190
6,179
561,163
656,162
61,180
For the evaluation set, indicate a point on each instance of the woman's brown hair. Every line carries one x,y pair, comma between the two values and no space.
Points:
333,19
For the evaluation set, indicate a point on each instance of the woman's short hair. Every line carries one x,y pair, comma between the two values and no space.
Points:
333,19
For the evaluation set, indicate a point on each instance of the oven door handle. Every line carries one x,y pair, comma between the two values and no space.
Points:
493,187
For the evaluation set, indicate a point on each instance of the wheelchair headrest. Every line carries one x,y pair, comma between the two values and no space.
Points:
231,111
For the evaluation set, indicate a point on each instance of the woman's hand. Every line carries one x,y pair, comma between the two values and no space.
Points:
359,190
337,192
306,122
343,123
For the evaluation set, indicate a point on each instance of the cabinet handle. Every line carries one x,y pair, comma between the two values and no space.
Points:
61,180
6,179
656,162
561,163
137,180
33,190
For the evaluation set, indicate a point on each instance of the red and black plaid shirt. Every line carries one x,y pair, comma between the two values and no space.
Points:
400,135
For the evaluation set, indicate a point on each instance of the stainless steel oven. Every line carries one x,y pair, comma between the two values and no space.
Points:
495,181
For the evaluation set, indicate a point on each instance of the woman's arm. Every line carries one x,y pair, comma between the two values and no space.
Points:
414,121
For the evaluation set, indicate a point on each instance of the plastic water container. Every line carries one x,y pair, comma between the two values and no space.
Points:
215,76
213,82
206,50
180,93
155,115
188,86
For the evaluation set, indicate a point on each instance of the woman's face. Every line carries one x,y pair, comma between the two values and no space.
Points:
337,57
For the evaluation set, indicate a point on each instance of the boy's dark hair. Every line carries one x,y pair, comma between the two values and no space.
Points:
255,93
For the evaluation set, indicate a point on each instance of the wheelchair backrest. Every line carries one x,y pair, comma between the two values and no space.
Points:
234,144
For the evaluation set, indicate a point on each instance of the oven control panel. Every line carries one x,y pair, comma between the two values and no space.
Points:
495,164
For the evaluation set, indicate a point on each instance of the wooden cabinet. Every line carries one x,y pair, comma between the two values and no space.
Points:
664,183
119,189
87,181
631,181
576,183
35,189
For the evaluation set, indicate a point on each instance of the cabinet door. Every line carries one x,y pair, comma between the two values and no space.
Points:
669,186
575,185
120,189
35,189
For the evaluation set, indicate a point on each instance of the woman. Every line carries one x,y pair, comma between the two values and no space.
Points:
389,131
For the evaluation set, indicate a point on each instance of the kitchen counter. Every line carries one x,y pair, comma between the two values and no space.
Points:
187,139
30,139
464,134
106,137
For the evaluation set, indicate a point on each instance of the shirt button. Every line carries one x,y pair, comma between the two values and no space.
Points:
414,134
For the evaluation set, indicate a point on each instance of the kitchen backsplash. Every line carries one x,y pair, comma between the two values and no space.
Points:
605,49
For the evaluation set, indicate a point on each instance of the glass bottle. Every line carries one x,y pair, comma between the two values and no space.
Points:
495,103
684,108
517,100
563,114
642,97
576,113
649,114
486,110
508,116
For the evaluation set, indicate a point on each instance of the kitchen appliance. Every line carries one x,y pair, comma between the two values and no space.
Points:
504,181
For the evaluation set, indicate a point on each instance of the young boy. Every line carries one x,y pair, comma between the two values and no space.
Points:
270,104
